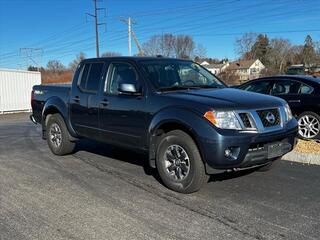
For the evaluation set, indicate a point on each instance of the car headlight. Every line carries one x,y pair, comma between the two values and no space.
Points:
223,119
288,112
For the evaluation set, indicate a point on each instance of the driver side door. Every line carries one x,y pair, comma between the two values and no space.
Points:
122,116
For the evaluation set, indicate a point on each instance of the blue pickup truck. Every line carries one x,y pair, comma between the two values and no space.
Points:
189,123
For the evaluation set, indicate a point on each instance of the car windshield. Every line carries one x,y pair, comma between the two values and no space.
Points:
177,75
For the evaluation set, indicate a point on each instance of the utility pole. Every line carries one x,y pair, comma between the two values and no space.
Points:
129,36
129,22
97,24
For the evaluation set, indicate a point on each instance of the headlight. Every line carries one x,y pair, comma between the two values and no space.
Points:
223,119
288,112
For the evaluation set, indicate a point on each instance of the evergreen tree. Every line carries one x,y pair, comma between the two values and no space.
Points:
308,52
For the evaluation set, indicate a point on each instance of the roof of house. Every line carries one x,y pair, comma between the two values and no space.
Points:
241,64
217,65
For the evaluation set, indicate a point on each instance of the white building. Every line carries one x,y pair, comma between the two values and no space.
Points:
15,89
215,68
246,69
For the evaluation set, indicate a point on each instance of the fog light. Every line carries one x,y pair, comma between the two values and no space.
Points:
232,153
227,152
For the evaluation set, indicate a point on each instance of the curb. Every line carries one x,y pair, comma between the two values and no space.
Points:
306,158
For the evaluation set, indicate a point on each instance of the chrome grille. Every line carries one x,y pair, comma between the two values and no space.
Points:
269,117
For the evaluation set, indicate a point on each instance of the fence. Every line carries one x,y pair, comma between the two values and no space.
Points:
15,89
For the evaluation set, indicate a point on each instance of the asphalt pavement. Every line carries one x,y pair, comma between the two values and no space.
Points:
102,192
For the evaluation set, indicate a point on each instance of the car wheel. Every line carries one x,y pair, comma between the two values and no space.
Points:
58,136
309,125
179,162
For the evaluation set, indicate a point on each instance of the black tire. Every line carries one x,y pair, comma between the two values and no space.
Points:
303,134
193,180
65,146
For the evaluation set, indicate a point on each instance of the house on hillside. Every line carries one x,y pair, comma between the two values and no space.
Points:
215,68
246,69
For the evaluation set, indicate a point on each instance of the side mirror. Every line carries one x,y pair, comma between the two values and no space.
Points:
128,89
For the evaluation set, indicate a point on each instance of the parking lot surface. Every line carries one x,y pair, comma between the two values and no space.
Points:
101,192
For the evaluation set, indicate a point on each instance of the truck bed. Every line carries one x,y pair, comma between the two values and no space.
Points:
43,93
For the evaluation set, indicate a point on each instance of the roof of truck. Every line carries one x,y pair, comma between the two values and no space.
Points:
134,58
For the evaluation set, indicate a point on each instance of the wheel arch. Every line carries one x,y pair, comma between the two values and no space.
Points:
55,105
177,119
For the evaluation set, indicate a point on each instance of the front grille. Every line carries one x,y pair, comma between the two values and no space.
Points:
245,119
269,117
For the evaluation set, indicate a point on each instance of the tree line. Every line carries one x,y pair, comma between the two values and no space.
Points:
275,53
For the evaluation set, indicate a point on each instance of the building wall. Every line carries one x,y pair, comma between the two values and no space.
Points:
15,89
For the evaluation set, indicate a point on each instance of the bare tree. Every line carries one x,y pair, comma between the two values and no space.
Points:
111,54
201,51
153,46
184,46
279,54
55,66
243,45
73,65
168,45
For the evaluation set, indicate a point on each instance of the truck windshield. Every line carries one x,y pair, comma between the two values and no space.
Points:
177,75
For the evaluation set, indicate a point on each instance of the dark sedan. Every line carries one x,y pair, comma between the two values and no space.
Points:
302,94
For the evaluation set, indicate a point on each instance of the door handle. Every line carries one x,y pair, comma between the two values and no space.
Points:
294,101
76,99
104,102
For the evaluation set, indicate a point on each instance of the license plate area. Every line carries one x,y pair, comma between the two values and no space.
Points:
274,149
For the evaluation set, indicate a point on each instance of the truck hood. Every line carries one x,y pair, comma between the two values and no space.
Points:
228,98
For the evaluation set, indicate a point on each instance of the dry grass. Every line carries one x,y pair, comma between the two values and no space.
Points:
61,77
307,147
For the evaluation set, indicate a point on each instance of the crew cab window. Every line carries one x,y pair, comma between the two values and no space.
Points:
120,73
259,87
91,77
94,77
290,87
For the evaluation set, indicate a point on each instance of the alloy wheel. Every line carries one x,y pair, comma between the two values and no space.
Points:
55,135
309,126
177,162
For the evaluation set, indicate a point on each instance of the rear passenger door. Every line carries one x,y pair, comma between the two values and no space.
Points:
84,102
297,94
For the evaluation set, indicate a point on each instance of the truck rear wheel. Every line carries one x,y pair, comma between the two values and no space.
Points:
58,136
179,162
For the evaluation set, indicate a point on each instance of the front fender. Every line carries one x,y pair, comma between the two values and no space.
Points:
191,120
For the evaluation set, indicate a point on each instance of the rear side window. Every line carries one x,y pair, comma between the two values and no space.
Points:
259,87
290,87
305,89
84,76
94,77
91,77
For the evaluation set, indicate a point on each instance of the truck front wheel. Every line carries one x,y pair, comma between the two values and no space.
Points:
57,136
179,162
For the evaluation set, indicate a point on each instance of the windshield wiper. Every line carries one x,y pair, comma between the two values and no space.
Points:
173,88
205,86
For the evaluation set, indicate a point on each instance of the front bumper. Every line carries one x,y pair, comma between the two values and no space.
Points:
250,149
